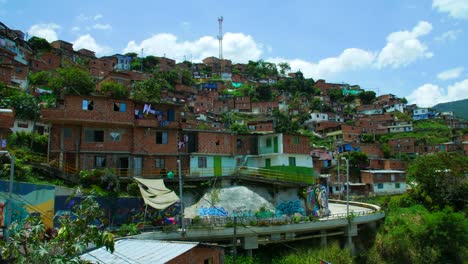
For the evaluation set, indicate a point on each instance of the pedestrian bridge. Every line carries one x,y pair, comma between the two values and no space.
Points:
251,233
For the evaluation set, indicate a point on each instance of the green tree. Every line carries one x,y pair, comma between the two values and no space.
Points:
439,180
40,78
415,235
367,97
147,90
30,242
26,106
284,66
114,89
39,44
186,77
284,124
73,80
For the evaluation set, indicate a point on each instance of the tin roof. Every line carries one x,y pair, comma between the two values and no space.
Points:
139,251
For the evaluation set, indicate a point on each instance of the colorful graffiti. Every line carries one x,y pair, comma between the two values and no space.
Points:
289,208
212,211
27,199
317,201
119,211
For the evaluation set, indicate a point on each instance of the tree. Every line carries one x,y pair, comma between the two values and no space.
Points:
39,44
439,180
40,78
31,242
367,97
335,95
147,90
73,80
26,106
114,89
284,124
284,66
186,77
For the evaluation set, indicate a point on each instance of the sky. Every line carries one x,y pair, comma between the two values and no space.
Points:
417,49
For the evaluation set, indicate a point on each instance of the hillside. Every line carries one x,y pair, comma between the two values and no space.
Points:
460,108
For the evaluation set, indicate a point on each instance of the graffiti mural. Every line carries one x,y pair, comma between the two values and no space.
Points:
212,211
289,208
119,211
28,199
317,201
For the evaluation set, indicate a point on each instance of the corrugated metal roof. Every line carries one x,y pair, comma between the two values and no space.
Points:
136,251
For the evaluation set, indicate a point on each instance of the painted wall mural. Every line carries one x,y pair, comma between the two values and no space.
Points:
289,208
120,211
27,199
212,211
317,200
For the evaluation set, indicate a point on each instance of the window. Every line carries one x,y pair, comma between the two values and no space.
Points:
120,107
380,186
170,115
202,162
208,261
397,185
99,161
161,137
67,132
379,176
296,140
87,105
292,161
160,163
94,135
268,142
115,136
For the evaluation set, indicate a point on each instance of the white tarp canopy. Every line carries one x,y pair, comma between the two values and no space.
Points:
155,193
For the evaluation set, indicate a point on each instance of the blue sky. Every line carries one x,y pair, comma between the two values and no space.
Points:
411,48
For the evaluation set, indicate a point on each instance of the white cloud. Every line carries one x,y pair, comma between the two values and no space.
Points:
404,47
82,17
450,73
236,46
429,95
455,8
349,59
88,42
98,16
102,26
75,29
449,35
47,31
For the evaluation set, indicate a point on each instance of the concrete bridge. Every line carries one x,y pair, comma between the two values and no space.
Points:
250,237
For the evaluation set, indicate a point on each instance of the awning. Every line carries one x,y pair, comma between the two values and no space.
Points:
155,193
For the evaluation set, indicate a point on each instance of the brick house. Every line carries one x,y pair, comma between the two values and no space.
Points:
242,104
98,132
165,64
217,65
325,87
402,145
45,61
264,107
387,164
154,251
101,67
7,119
384,181
265,125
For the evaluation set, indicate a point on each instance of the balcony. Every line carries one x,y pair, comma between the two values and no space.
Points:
147,122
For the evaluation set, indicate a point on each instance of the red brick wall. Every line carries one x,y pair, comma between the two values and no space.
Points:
145,141
406,145
368,177
216,143
372,150
45,62
388,164
103,111
290,148
198,255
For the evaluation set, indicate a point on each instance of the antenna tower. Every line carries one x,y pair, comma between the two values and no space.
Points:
220,37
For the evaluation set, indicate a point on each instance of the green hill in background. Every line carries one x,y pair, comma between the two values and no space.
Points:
459,108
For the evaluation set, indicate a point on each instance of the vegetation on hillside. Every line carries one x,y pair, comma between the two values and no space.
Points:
460,108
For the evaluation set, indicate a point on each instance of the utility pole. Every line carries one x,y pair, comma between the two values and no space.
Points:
234,242
141,60
180,197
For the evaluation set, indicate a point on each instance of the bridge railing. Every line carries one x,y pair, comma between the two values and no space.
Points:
227,221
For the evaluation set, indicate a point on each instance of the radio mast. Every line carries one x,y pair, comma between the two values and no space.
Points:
220,37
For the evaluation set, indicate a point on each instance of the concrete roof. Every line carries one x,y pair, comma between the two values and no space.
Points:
139,251
383,171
